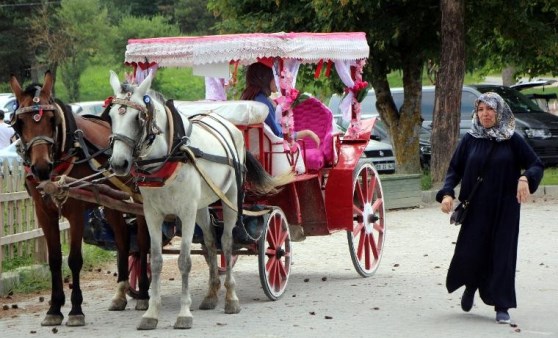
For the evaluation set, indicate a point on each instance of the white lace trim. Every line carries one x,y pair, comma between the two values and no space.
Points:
247,48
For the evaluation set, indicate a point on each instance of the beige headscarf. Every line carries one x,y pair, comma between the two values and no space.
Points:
505,121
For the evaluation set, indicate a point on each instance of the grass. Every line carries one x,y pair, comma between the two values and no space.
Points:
426,180
550,176
32,280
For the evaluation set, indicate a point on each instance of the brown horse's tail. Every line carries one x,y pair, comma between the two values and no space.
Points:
259,181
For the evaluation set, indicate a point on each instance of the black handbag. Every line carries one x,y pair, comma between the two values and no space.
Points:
460,212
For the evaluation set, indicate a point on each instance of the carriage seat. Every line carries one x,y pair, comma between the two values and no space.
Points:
241,112
314,115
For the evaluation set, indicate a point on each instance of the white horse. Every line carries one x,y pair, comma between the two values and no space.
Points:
140,134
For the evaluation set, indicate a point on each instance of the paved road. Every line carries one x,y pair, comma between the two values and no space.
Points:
406,297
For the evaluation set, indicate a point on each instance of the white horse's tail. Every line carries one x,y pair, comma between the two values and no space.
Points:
259,181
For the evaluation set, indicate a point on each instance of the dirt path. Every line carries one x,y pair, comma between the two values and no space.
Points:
326,298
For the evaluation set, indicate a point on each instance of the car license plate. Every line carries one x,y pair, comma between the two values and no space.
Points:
384,166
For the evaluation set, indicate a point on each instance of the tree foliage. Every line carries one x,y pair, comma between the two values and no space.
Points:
16,53
82,25
138,27
186,10
520,33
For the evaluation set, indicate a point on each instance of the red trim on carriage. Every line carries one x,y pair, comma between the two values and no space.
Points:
158,178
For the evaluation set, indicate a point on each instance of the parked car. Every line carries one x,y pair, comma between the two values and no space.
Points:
379,149
10,156
88,108
548,102
540,129
7,104
381,132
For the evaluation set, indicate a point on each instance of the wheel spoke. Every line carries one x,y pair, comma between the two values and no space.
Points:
283,235
274,274
358,227
270,264
373,247
377,205
371,187
270,236
360,247
270,252
279,275
358,195
367,260
357,210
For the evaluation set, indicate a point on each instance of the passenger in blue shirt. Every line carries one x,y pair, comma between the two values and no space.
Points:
260,83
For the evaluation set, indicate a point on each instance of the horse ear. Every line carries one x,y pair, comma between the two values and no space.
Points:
145,84
16,87
115,83
47,85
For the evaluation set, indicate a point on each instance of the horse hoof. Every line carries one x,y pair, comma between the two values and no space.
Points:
232,307
118,304
76,320
52,320
142,304
148,324
183,323
209,303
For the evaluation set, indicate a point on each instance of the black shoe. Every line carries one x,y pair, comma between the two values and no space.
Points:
467,299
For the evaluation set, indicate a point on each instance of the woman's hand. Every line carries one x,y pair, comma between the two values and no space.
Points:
308,133
447,204
522,189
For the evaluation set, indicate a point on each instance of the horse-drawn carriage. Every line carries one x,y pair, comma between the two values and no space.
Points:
214,168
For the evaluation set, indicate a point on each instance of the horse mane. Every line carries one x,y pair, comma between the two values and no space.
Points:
71,125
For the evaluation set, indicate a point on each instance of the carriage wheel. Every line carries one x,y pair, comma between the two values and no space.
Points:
134,268
366,240
222,263
274,255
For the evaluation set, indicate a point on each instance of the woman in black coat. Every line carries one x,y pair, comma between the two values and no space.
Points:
486,250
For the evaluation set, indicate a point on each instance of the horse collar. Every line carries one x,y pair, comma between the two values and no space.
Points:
164,175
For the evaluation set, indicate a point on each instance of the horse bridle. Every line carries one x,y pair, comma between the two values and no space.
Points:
38,111
146,120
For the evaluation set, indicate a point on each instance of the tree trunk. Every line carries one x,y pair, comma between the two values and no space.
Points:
404,125
508,76
449,84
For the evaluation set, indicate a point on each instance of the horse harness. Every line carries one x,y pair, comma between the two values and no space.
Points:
38,110
179,150
68,157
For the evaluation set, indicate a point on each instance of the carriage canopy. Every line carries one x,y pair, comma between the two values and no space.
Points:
211,56
193,51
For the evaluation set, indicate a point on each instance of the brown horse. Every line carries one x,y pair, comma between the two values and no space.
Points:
56,142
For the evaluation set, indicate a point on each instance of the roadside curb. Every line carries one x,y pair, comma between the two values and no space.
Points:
11,279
